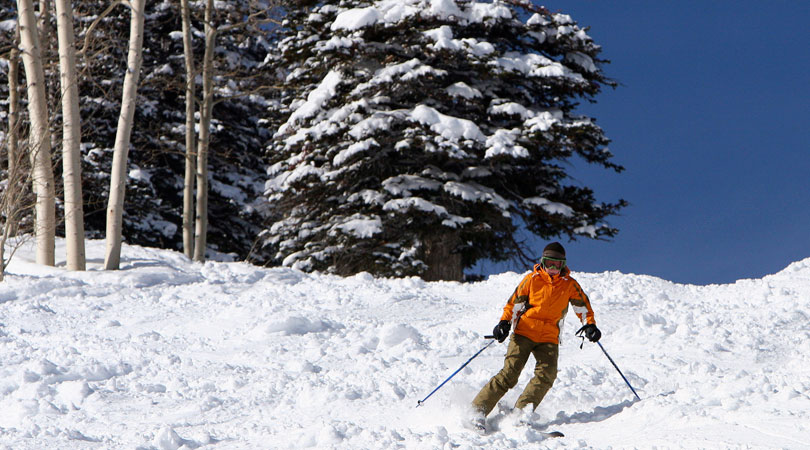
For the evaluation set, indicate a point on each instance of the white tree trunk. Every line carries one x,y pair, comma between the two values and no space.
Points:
44,23
71,138
201,228
12,138
118,176
40,136
191,164
13,107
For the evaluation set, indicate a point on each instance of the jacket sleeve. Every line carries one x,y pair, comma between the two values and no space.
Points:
581,305
520,295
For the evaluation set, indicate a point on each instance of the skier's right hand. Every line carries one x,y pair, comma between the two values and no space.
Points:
501,331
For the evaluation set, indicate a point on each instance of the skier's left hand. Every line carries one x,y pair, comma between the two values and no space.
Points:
591,332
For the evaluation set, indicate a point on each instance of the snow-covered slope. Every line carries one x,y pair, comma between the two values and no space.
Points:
166,353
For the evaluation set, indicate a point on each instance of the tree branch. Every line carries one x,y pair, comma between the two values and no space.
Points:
95,22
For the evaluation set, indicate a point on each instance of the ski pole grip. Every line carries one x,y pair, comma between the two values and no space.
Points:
489,336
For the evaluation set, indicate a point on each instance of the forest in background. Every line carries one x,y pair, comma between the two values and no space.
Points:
398,138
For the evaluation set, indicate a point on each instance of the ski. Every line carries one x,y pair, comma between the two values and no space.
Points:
552,434
480,428
481,431
544,432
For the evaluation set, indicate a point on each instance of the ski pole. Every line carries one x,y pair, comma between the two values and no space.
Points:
617,369
419,403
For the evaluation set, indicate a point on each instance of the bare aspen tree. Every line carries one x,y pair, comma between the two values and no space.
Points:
11,143
15,202
71,138
39,135
118,175
13,138
206,113
47,41
45,34
191,165
201,224
44,22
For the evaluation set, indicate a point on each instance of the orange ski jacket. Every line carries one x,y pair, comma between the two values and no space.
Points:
546,301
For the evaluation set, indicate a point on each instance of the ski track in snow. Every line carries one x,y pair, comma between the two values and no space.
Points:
168,354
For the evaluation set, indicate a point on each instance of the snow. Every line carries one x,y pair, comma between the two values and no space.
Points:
586,229
141,175
414,203
8,25
418,203
367,126
544,120
301,172
582,60
462,89
406,71
537,19
476,192
394,11
170,354
315,101
549,206
409,70
535,65
403,185
154,223
443,40
367,196
361,227
502,142
333,43
354,19
449,127
511,109
354,149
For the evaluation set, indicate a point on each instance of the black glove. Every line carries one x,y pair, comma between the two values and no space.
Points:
501,331
591,332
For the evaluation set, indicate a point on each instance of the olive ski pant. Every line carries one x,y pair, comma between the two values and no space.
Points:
545,372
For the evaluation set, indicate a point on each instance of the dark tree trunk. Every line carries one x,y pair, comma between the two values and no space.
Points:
442,258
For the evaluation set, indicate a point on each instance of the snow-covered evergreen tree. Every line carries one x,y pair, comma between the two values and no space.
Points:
420,135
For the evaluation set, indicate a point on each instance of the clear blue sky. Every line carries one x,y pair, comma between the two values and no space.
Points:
712,123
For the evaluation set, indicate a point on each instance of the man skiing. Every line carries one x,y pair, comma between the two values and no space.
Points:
537,308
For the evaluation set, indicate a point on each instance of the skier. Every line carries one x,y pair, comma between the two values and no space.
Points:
537,307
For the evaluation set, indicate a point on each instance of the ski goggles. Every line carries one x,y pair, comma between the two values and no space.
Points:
552,263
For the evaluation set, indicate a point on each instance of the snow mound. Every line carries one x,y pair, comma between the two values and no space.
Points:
297,325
